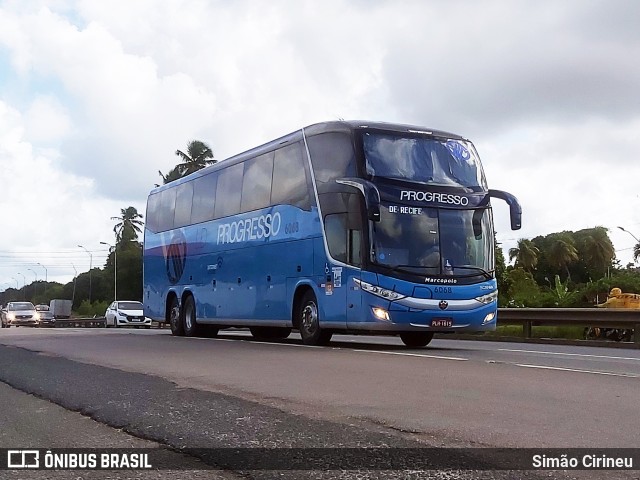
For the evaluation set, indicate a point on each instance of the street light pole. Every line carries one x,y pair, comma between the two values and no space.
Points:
75,276
24,281
90,267
46,278
115,269
634,237
35,285
636,246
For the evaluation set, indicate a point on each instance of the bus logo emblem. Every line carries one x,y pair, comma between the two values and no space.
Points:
176,259
443,304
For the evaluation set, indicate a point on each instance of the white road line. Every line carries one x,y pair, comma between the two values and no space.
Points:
438,357
569,354
576,370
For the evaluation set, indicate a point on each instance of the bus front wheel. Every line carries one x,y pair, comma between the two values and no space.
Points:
174,319
308,316
416,339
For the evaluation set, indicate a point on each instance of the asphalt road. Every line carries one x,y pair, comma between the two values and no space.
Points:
360,391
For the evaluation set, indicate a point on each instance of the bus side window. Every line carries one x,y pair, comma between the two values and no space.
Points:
184,196
167,206
332,156
204,195
290,186
256,182
229,191
153,213
335,226
344,238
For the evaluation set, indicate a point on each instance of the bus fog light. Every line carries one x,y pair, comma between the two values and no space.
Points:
381,313
489,318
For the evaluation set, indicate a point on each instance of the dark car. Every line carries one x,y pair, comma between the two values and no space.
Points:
45,316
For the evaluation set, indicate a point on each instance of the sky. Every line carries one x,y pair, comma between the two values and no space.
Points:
96,96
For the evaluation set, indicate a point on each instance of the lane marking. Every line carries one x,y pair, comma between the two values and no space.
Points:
329,347
576,370
438,357
569,354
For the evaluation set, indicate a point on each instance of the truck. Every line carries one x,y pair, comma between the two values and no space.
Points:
60,308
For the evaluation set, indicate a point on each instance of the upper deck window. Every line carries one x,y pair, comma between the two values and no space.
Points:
427,159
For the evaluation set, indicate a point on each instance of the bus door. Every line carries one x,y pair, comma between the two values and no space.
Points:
344,239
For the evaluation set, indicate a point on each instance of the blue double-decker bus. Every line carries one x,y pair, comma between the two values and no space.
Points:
340,227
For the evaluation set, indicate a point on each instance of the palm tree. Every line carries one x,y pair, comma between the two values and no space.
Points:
598,249
198,156
174,174
129,225
562,252
636,252
525,253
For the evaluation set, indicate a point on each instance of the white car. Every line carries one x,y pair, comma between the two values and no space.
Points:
19,314
125,313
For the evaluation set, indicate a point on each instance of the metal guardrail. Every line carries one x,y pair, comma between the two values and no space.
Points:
583,317
96,322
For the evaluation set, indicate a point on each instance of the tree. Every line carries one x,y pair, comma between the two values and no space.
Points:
198,156
636,252
523,289
562,251
597,250
129,225
525,254
174,174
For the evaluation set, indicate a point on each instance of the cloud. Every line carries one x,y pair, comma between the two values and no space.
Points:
97,96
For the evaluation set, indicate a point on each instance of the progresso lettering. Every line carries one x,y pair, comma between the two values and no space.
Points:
254,228
447,198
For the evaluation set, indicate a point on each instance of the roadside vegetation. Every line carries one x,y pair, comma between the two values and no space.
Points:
562,269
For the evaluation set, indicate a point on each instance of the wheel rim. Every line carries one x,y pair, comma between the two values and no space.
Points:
188,316
174,317
309,318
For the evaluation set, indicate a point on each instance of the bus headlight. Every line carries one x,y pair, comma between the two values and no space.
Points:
488,298
489,318
379,291
381,314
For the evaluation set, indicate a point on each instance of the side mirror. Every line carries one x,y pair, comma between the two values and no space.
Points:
369,192
515,210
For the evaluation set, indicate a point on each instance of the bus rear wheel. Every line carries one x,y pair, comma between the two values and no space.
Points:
174,318
189,324
416,339
308,316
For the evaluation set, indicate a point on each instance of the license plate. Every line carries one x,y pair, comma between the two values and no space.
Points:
441,322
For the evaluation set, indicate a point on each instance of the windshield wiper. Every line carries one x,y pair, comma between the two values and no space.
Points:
406,269
476,269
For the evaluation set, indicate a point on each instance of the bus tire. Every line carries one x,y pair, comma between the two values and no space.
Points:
309,318
270,333
175,320
209,331
416,339
189,323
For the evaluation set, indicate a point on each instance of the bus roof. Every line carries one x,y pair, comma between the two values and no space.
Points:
346,126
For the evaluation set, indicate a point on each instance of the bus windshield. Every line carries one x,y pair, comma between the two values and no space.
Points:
434,241
431,160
